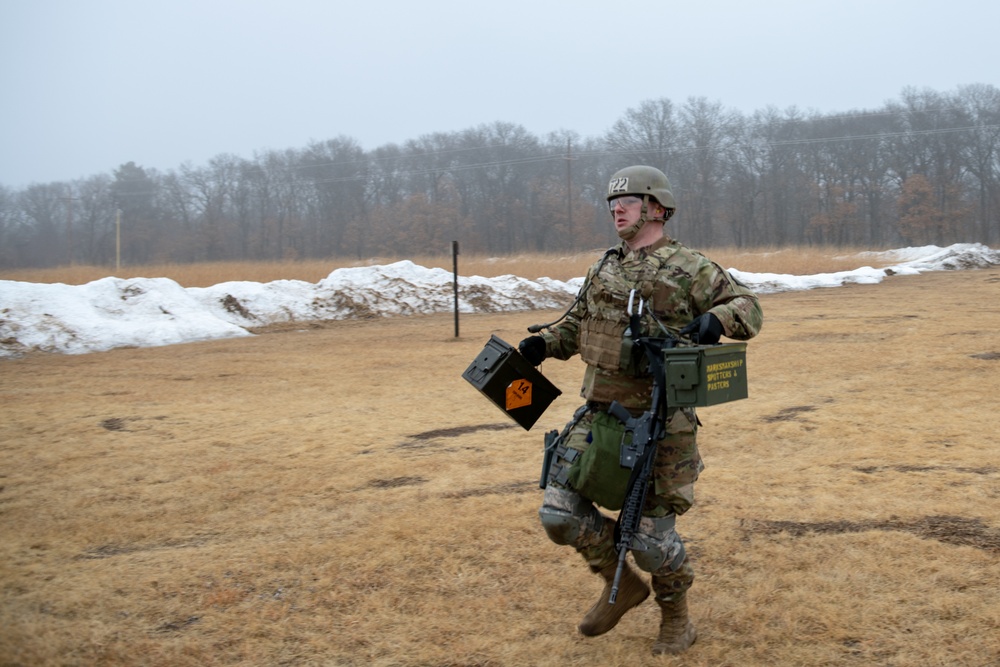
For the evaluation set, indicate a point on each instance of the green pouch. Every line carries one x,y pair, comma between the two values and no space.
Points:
597,473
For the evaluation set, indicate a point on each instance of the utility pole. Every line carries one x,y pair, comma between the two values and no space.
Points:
569,189
118,241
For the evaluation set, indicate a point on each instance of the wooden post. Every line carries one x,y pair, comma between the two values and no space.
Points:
454,263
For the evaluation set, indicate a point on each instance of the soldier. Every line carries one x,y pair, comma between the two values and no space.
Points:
689,295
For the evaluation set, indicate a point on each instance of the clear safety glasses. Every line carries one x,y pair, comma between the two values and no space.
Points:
625,201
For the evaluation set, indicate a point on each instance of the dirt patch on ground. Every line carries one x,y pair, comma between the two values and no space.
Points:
985,470
456,431
395,482
964,531
788,414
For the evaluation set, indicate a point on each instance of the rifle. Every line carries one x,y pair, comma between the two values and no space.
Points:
639,451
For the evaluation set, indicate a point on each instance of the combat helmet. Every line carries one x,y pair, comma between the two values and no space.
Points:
641,180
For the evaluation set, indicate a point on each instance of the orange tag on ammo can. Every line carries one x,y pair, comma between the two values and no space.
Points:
518,394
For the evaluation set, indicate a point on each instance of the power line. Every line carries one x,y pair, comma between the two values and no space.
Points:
668,149
579,154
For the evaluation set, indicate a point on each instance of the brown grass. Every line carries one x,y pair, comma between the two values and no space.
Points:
340,496
796,261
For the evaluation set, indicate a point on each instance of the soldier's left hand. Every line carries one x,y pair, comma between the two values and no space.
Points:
706,329
532,348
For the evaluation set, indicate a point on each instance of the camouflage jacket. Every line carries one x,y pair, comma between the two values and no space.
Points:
677,284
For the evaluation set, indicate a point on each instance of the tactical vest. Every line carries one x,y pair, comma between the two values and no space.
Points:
603,340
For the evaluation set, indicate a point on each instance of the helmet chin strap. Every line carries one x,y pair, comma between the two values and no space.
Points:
628,233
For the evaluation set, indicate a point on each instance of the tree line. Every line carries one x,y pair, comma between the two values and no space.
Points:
922,169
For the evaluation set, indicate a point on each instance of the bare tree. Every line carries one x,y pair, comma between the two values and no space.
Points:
707,130
96,220
43,210
649,134
769,178
981,154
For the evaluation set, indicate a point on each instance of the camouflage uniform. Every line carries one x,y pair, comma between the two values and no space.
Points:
677,284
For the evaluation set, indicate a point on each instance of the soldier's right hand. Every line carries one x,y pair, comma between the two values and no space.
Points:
706,329
532,348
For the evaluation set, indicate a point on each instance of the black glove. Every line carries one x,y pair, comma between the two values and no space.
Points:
704,330
532,348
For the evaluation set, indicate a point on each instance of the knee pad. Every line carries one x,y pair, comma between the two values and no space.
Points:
565,515
659,544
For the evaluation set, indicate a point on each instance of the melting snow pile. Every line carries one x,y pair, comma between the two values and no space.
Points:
143,312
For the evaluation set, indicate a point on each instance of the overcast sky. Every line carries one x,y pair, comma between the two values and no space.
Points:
87,85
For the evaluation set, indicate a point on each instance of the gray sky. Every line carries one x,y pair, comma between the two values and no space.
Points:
87,85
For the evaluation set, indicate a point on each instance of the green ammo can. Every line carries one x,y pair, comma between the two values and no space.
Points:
705,375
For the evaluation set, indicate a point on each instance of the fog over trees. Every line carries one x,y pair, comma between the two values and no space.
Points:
923,169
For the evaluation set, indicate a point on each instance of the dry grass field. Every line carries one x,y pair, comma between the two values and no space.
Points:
338,495
794,260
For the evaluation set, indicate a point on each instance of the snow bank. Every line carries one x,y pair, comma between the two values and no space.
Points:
146,312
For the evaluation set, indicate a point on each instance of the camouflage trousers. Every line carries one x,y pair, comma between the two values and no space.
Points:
675,471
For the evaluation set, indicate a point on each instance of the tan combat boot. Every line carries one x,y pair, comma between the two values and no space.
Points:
632,590
677,632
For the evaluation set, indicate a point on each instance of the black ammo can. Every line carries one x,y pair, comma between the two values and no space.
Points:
510,382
